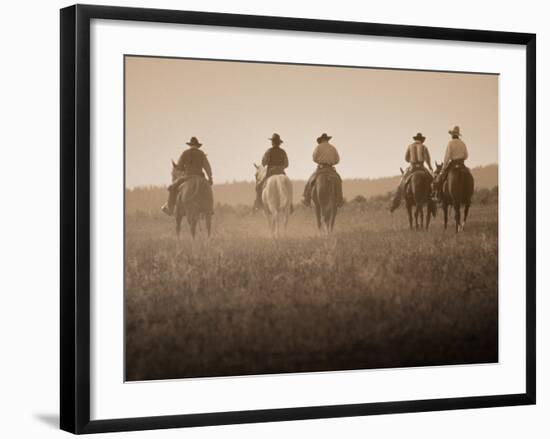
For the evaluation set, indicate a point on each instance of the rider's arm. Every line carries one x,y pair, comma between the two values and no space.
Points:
285,162
265,158
408,155
315,154
465,152
447,155
207,168
336,157
181,161
428,159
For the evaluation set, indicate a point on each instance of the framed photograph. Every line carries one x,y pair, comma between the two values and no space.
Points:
268,219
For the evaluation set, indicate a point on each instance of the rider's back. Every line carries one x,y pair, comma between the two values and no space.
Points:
326,154
192,161
416,153
275,156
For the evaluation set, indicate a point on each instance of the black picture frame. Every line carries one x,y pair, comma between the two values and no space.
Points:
75,217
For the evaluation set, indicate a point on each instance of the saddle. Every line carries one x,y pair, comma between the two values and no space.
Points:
197,188
459,165
330,172
326,169
274,170
415,170
456,166
271,171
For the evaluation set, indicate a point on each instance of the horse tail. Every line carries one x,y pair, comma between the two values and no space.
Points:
453,186
277,194
329,207
420,188
270,197
461,186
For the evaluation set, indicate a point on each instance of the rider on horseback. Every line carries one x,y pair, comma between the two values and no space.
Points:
276,161
455,155
326,156
192,162
417,154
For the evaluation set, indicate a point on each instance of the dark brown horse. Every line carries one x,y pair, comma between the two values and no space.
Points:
195,201
456,191
325,199
418,195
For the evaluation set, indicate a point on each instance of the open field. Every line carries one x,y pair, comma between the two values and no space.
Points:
238,193
372,295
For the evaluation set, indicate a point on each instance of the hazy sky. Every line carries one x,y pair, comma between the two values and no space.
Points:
234,107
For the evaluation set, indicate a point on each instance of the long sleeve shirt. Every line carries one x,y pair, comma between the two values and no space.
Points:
193,161
326,154
456,150
417,152
275,156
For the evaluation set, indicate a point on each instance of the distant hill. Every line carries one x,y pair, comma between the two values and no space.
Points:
242,193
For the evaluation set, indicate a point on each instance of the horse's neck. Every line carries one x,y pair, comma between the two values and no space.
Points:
262,173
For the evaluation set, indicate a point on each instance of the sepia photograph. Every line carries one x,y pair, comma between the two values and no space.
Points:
295,218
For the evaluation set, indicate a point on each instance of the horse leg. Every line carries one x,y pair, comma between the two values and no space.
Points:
199,223
269,222
428,217
445,215
416,212
284,220
457,216
409,212
466,210
329,217
333,219
421,209
276,224
208,220
192,221
318,216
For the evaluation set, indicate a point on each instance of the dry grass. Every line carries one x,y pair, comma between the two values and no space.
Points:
372,295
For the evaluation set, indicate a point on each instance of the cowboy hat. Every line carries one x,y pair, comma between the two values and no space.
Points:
455,131
419,136
194,142
323,138
276,138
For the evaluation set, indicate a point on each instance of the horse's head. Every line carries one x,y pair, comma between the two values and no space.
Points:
176,171
436,183
437,173
260,172
438,169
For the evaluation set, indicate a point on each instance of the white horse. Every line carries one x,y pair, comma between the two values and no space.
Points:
276,199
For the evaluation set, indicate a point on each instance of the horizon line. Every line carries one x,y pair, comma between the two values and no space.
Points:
231,182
